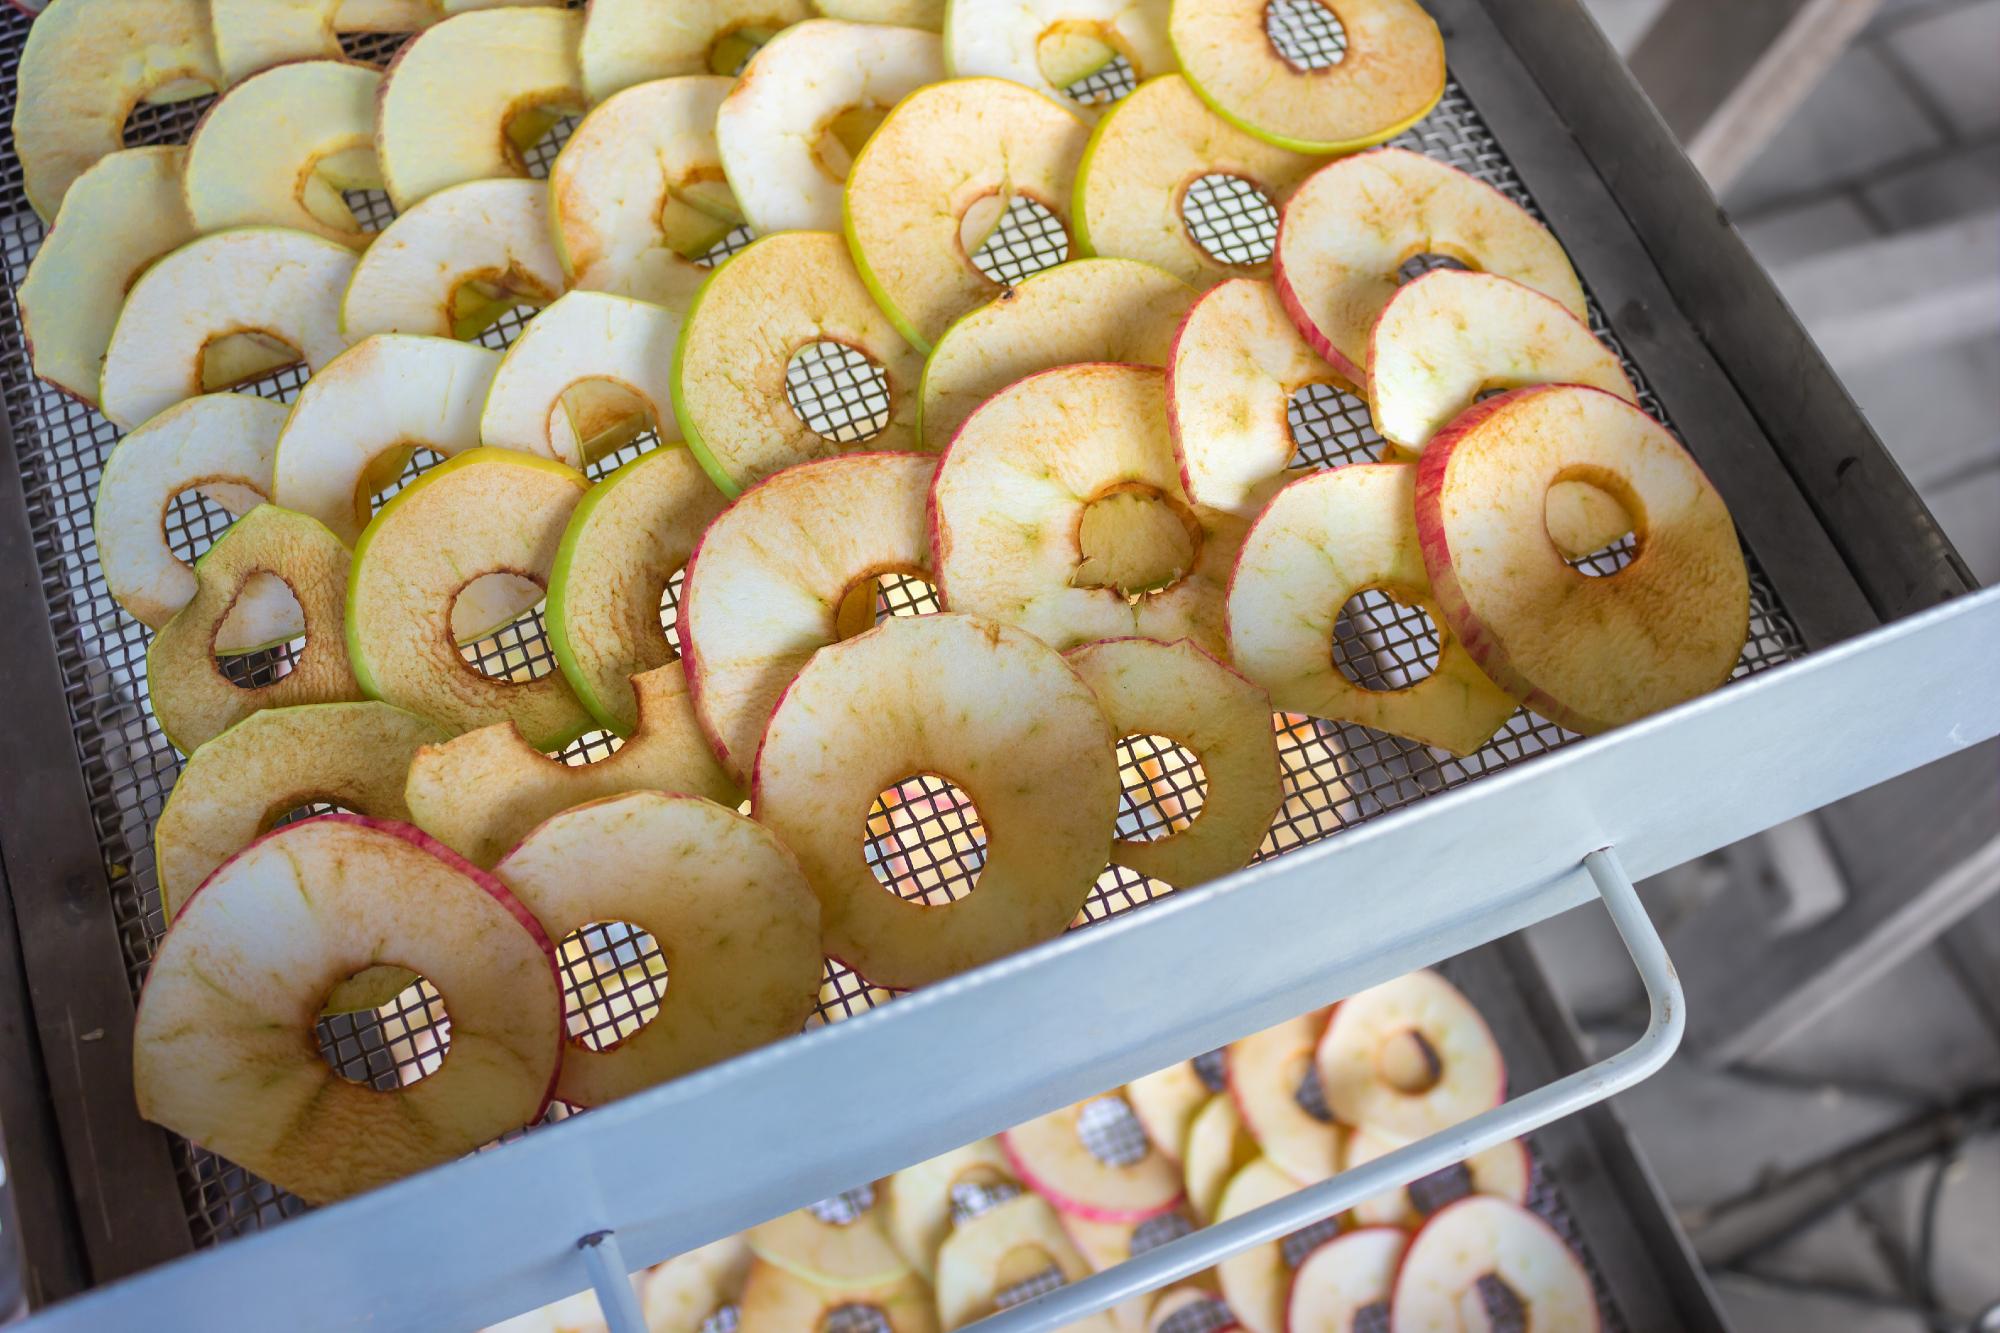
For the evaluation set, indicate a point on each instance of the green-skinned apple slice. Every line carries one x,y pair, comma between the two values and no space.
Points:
1001,1248
587,375
1051,1158
766,582
1410,1057
223,1049
487,511
1149,688
1218,1146
925,14
680,1295
191,698
1049,45
626,42
1390,75
117,218
1254,1281
1324,539
454,263
944,151
1587,653
1085,310
764,305
282,285
1503,1171
856,1253
1058,507
1480,1238
626,541
466,98
918,1203
807,100
481,793
1348,230
1266,1070
1343,1278
775,1298
1165,1104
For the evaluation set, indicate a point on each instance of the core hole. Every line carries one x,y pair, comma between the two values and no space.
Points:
1133,541
670,613
308,810
846,1208
839,392
391,472
590,748
1157,1231
723,1319
970,1198
1448,1185
1111,1133
1309,1094
1295,1247
539,133
1306,34
1232,219
596,417
842,136
266,603
1203,1316
1030,1282
1011,238
614,981
1591,529
1419,264
399,1044
872,600
1381,643
249,360
157,122
1490,1303
517,651
1329,427
1162,788
1409,1063
855,1318
925,841
1082,61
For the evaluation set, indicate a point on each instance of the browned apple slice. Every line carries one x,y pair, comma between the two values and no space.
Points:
1343,1280
1051,1155
1410,1057
1477,1243
1502,1170
918,1201
1266,1070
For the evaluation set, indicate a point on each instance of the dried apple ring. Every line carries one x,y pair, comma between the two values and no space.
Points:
455,263
1410,1057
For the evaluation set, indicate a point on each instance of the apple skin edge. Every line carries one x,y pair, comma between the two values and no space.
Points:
1527,1215
1295,307
1076,1207
1292,1284
690,434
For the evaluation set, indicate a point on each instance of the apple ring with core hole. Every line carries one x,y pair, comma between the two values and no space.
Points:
1410,1057
806,102
1130,1182
919,1202
766,583
1267,1071
1349,230
1058,507
1084,310
1587,653
637,196
735,388
191,698
950,159
236,986
586,377
627,540
1502,1170
851,1252
1350,76
1218,1146
1052,45
465,99
1137,186
1165,1104
925,14
1176,690
1000,1249
1345,1282
627,42
483,512
1255,1281
1467,1250
118,217
85,66
682,1294
775,1301
723,899
1322,541
280,148
481,793
1235,365
280,288
455,263
1023,718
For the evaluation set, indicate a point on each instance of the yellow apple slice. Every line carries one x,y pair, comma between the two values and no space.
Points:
1265,1071
85,66
1343,1279
854,1252
1166,1102
466,98
1482,1237
626,42
1410,1057
1023,40
481,793
282,284
254,35
1049,1154
945,151
1502,1170
1027,718
456,261
119,216
1255,1281
925,14
1324,539
1218,1146
1149,688
918,1202
587,374
1587,653
776,1300
1085,310
1389,77
1348,230
236,986
1001,1248
1058,508
486,511
680,1295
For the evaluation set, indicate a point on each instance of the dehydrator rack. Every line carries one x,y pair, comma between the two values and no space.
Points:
1473,848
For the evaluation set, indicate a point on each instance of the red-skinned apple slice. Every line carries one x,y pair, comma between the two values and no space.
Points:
1410,1057
1502,1170
917,1201
1350,228
1254,1281
680,1295
1265,1071
1218,1146
1587,653
1342,1278
776,1301
852,1254
1165,1103
1050,1155
999,1249
223,1052
1481,1237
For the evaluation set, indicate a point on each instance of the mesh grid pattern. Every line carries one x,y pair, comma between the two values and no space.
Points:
1307,33
838,392
1162,787
1028,239
614,980
855,1319
1231,219
1111,1132
1204,1316
1103,87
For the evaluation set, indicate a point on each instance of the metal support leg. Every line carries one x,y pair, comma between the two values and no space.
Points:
613,1281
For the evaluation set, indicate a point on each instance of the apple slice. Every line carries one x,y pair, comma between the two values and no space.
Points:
1166,1102
1410,1057
1133,181
1235,364
1388,78
1325,538
1348,230
806,102
918,1202
944,151
1000,1249
680,1295
853,1253
1176,690
85,66
861,718
191,698
636,41
925,14
1105,1245
1218,1146
1255,1281
486,511
1462,1253
284,285
1587,653
484,791
465,99
454,263
1084,310
1502,1170
1058,507
776,1301
1266,1070
719,893
1175,1300
1020,40
766,581
1050,1154
119,216
782,294
585,377
1345,1281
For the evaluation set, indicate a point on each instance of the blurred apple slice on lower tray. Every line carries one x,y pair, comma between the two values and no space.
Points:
852,1252
776,1300
682,1294
1165,1103
1487,1257
1345,1282
627,42
1004,1249
1171,1311
1218,1146
453,264
1255,1281
1130,1183
1503,1170
1410,1057
920,1202
1266,1072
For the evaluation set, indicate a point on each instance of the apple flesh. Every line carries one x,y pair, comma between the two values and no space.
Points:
1265,1071
1013,40
1437,1286
1001,1248
1503,1170
586,376
1255,1281
454,263
1410,1057
681,1294
1218,1146
840,1255
918,1203
777,1300
1165,1104
1050,1156
628,42
1342,1278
